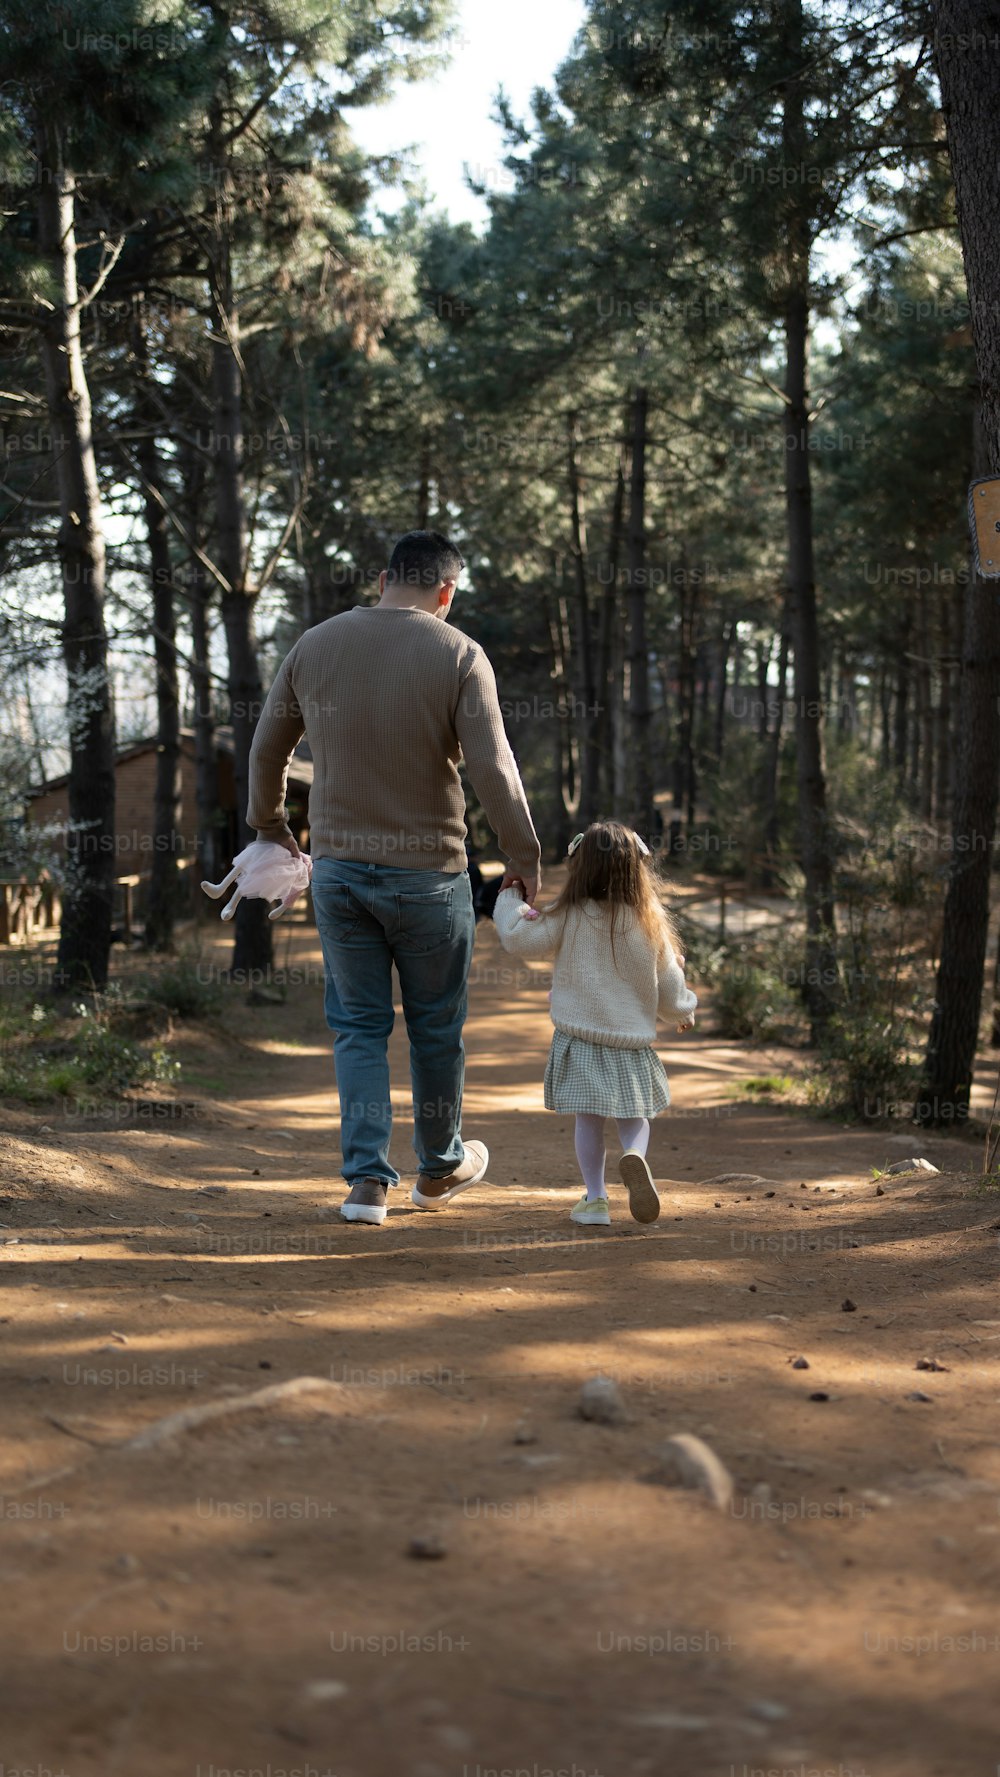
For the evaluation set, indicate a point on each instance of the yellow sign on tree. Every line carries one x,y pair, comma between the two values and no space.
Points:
984,523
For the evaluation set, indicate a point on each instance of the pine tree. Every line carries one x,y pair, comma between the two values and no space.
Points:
91,106
966,36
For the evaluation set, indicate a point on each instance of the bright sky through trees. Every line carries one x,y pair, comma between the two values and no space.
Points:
447,120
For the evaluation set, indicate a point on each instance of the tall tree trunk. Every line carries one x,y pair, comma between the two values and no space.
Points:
943,717
585,686
772,760
164,884
724,649
619,727
885,714
199,599
814,835
763,669
206,768
927,723
970,92
565,695
638,647
559,825
88,895
663,733
703,673
828,687
252,953
971,106
951,1045
737,655
608,655
901,708
685,786
847,703
870,721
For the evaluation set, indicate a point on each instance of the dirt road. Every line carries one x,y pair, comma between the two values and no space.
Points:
431,1567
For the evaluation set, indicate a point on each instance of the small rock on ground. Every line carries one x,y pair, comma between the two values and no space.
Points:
687,1461
426,1548
601,1401
765,1710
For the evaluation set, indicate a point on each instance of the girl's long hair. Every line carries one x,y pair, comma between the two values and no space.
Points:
608,867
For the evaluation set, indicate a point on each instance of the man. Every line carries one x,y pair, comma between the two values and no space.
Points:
389,698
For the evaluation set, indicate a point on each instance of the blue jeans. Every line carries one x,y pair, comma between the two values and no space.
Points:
371,916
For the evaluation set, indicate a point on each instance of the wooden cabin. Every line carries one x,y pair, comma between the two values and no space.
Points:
48,806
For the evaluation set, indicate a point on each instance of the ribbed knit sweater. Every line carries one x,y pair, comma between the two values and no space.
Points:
604,997
390,699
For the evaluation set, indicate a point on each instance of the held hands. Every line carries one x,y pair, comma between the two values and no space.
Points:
527,886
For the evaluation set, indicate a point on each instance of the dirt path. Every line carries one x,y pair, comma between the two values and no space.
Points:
241,1597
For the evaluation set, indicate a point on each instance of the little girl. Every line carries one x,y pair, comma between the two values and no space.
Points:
616,966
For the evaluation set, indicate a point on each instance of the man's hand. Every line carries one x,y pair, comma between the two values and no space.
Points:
288,842
528,885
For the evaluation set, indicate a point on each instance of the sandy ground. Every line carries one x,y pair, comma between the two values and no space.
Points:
243,1596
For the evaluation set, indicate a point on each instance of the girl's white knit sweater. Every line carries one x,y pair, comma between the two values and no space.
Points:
602,997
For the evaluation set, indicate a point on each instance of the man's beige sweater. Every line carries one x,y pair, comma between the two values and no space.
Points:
604,996
389,700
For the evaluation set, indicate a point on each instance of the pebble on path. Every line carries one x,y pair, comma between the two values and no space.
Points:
426,1548
687,1461
601,1401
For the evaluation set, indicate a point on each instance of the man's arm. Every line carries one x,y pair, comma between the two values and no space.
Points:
494,776
276,737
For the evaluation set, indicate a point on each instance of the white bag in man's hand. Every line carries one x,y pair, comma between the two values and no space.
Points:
264,872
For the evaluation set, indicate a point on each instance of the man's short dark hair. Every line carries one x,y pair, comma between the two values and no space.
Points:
424,558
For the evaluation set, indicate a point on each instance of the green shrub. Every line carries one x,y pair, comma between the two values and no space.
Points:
106,1059
184,986
46,1054
751,1001
742,1004
765,1086
865,1070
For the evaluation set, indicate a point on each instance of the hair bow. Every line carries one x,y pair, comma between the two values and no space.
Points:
578,838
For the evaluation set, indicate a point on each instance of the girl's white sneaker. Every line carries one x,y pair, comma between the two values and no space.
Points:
638,1181
592,1212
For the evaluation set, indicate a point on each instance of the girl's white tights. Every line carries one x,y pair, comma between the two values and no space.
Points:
633,1132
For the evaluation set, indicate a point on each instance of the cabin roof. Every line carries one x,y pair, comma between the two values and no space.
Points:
300,771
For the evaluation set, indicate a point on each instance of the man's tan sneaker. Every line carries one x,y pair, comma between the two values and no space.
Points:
366,1201
434,1193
